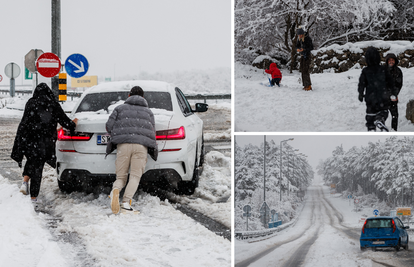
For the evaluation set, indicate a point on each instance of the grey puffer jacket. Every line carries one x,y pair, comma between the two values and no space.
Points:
133,122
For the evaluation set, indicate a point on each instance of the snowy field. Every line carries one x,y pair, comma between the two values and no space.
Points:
319,238
332,106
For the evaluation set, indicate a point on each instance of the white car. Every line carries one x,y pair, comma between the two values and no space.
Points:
81,162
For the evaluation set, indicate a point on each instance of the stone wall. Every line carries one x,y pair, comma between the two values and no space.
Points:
340,61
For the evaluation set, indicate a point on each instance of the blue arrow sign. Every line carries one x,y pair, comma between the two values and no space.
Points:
76,65
376,212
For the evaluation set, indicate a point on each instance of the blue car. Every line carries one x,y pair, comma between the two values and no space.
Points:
384,231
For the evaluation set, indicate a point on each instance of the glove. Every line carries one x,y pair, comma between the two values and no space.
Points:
20,164
361,97
393,98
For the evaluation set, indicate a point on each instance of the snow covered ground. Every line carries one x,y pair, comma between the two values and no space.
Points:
332,106
319,238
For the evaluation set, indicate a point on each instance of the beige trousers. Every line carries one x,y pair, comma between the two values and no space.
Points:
131,157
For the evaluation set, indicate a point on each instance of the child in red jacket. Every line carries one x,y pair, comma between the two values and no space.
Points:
276,74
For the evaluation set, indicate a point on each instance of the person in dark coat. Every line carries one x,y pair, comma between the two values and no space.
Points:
377,84
304,46
36,137
276,74
391,61
132,129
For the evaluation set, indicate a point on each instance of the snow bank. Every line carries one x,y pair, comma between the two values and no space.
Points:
23,236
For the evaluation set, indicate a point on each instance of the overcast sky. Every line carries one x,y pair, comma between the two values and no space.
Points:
316,147
122,37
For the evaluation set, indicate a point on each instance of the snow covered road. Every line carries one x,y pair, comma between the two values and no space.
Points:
80,230
319,238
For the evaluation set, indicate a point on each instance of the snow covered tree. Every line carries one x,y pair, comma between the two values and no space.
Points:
268,27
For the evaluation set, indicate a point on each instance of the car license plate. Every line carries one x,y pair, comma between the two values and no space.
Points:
378,242
103,139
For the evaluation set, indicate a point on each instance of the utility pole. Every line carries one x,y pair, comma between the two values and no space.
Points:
56,42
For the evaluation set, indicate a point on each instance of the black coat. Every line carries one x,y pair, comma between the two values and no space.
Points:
36,135
396,73
307,46
376,81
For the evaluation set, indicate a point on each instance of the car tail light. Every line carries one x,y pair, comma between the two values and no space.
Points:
173,134
64,135
363,227
393,226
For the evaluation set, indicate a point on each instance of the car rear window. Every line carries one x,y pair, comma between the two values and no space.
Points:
379,223
99,101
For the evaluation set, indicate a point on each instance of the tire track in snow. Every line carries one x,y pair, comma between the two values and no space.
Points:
405,259
262,254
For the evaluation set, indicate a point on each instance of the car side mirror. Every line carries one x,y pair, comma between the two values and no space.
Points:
201,107
407,227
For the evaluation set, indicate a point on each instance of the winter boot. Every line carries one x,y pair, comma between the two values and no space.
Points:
308,88
381,126
36,203
115,200
24,189
127,209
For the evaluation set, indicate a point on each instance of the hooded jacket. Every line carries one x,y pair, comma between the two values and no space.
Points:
306,44
376,81
37,132
133,122
274,71
396,73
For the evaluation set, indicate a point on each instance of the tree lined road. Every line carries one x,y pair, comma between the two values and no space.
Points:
320,238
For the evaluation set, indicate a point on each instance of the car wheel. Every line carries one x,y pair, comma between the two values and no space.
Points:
406,246
363,248
66,187
397,247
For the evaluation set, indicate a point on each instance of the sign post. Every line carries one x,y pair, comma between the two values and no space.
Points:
247,214
12,70
265,213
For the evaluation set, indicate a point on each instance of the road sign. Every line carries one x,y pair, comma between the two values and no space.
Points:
404,211
76,65
349,196
12,70
85,81
247,208
1,78
273,212
27,74
48,65
265,208
393,213
333,185
356,201
30,59
376,212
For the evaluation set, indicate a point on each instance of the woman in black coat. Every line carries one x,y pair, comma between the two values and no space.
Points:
36,137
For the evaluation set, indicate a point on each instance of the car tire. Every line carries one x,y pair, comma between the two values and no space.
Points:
363,248
66,187
202,152
397,247
406,246
188,187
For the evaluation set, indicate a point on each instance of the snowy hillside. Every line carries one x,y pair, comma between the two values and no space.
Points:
332,106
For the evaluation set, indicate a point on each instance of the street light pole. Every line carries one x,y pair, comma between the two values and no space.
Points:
280,176
289,166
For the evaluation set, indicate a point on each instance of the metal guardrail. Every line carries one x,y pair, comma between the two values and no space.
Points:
204,97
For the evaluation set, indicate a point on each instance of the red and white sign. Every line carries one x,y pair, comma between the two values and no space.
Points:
1,78
48,65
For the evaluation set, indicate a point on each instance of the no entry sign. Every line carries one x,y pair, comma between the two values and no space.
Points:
48,65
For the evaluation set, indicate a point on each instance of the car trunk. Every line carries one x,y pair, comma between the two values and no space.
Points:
96,125
376,228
